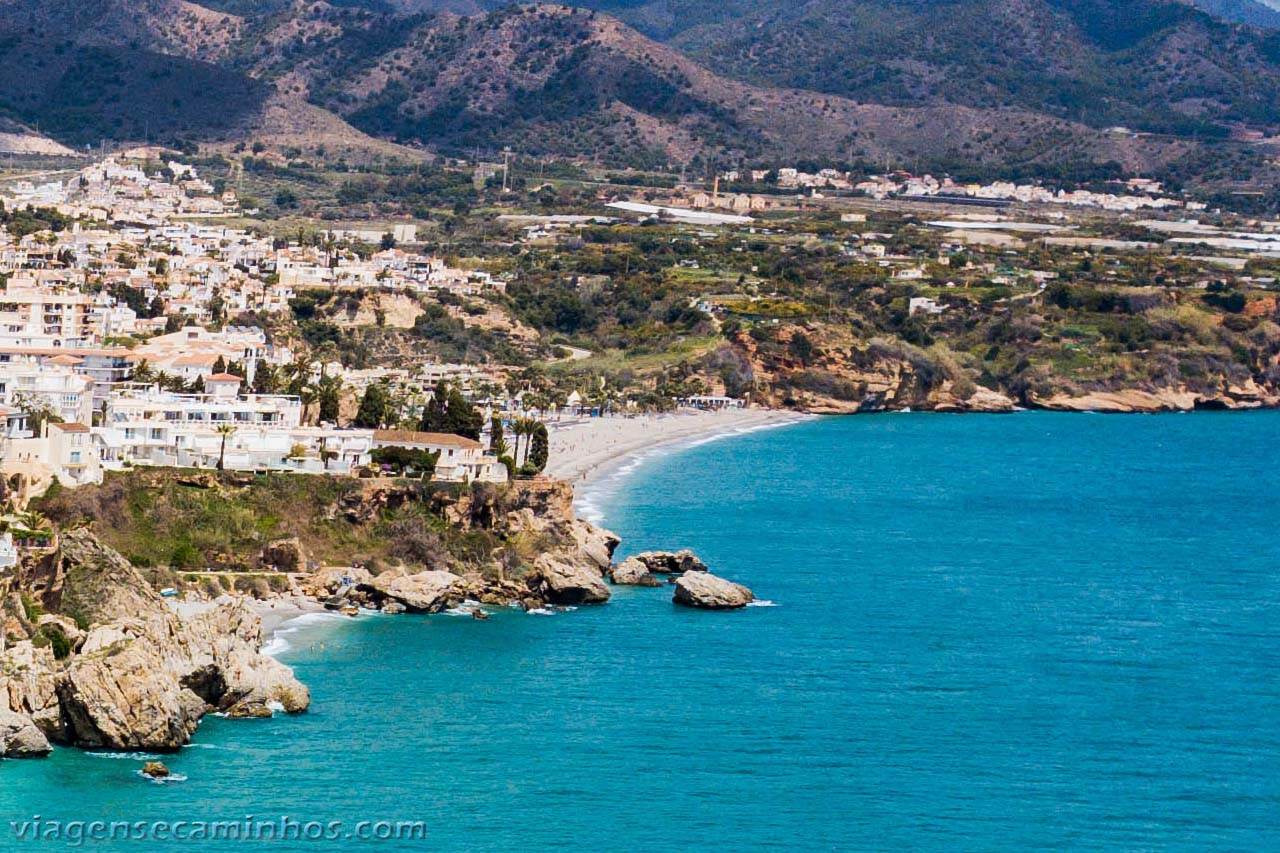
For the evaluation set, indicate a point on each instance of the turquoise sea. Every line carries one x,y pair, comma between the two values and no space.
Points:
988,633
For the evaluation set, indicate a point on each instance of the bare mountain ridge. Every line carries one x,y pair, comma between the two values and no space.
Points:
544,79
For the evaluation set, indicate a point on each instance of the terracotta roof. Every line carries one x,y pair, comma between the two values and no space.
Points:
71,427
224,377
199,360
433,439
65,359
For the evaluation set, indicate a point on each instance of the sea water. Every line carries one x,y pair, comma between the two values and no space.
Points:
1023,632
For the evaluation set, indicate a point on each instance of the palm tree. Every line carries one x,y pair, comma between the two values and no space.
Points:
142,373
526,427
307,395
518,429
224,430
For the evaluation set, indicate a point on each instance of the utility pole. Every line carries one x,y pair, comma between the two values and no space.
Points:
506,167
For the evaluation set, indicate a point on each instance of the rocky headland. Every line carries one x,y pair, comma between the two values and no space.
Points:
93,655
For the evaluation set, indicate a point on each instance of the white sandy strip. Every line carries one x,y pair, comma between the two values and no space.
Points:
275,613
582,450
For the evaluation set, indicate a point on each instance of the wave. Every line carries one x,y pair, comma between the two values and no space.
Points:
125,756
317,618
172,777
277,645
761,602
464,609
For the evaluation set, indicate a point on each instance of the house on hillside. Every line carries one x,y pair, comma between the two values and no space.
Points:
462,460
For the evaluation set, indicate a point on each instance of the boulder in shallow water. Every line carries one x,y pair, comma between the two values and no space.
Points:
561,581
706,591
425,592
632,572
155,770
671,562
20,737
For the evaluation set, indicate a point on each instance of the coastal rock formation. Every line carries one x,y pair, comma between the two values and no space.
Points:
425,592
1246,395
139,677
155,770
561,581
595,543
633,572
706,591
670,562
20,737
285,555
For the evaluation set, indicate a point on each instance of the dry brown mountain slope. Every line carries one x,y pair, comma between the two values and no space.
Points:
551,79
544,79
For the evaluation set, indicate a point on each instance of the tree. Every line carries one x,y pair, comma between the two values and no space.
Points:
526,427
265,380
518,428
142,373
450,412
220,366
217,310
388,242
375,409
38,410
329,394
306,395
497,440
540,447
224,430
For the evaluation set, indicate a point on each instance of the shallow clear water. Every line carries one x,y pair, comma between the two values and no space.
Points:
989,633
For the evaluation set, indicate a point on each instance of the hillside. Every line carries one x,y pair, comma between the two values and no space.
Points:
895,83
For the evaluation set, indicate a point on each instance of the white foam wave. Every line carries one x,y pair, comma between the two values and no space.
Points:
275,646
317,618
464,609
541,611
172,777
761,602
125,756
275,707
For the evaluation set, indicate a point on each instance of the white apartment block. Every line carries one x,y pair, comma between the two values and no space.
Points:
54,387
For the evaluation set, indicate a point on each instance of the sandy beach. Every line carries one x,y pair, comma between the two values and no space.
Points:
582,450
274,612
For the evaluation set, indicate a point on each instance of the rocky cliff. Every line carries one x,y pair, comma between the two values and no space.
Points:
91,656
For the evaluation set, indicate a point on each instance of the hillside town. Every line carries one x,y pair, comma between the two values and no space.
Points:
115,346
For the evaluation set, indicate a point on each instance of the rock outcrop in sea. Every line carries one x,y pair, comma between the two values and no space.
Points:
117,668
705,590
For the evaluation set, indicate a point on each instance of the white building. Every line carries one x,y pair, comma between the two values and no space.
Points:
462,460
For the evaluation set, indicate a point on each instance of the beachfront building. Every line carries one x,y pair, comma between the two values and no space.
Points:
461,459
299,449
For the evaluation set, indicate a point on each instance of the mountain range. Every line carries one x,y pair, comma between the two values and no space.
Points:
1018,87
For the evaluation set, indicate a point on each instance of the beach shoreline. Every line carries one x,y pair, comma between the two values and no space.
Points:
585,451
